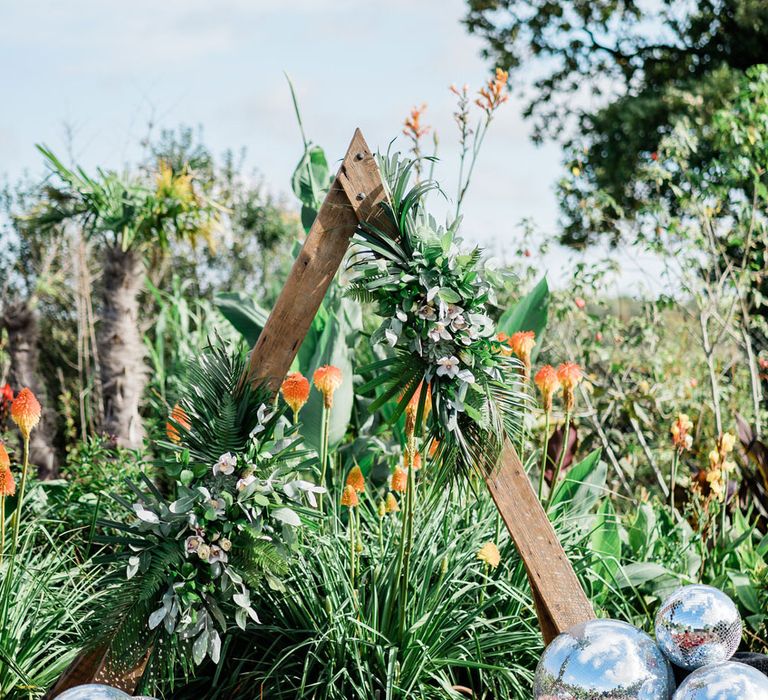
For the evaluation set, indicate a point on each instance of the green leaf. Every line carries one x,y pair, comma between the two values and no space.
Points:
243,313
529,314
582,486
606,542
310,183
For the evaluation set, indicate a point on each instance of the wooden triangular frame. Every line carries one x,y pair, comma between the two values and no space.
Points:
355,196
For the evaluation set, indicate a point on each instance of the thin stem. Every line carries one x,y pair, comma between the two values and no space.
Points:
561,461
408,537
20,503
544,457
324,453
352,546
673,480
2,528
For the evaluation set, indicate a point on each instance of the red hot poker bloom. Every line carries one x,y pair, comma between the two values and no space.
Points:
295,391
548,383
327,379
180,417
7,483
26,412
355,479
399,480
569,374
522,343
349,497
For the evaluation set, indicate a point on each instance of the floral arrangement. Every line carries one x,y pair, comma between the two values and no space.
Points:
433,294
228,522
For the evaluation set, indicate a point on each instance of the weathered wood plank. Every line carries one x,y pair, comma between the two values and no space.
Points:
355,196
559,597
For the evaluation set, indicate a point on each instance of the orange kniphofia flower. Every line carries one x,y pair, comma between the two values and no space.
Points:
433,448
327,379
548,383
7,483
495,93
295,391
399,480
390,504
26,412
179,417
569,374
413,404
355,479
349,497
522,343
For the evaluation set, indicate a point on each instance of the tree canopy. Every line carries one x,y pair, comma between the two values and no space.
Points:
620,74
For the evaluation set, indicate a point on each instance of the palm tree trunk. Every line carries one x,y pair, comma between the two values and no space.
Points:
20,320
121,350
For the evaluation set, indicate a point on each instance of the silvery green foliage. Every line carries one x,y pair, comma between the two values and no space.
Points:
433,293
225,521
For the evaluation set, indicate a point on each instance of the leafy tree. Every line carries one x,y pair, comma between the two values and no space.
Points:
644,64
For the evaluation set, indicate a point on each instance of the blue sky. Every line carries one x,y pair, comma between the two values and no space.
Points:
103,70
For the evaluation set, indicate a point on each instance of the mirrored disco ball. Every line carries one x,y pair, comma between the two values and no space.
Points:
603,660
727,680
698,625
93,691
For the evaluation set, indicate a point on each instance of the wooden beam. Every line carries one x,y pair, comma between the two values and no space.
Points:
355,196
558,595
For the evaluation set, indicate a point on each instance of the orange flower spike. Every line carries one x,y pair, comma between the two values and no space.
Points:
433,448
355,479
399,480
413,404
417,461
494,93
349,497
7,483
412,125
548,383
179,417
522,343
390,503
569,374
295,391
26,412
327,379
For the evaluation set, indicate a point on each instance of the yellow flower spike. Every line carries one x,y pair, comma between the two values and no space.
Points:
489,553
26,412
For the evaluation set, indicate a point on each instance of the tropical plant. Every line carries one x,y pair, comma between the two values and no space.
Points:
129,219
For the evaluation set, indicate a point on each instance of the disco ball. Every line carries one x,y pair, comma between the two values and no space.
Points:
93,691
698,625
605,659
727,680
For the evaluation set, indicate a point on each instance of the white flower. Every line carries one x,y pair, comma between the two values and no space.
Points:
192,543
427,312
439,332
226,464
217,554
448,367
293,489
263,416
466,376
244,482
458,322
391,337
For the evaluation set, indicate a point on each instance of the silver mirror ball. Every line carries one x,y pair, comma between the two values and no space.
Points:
95,691
603,660
727,680
698,625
